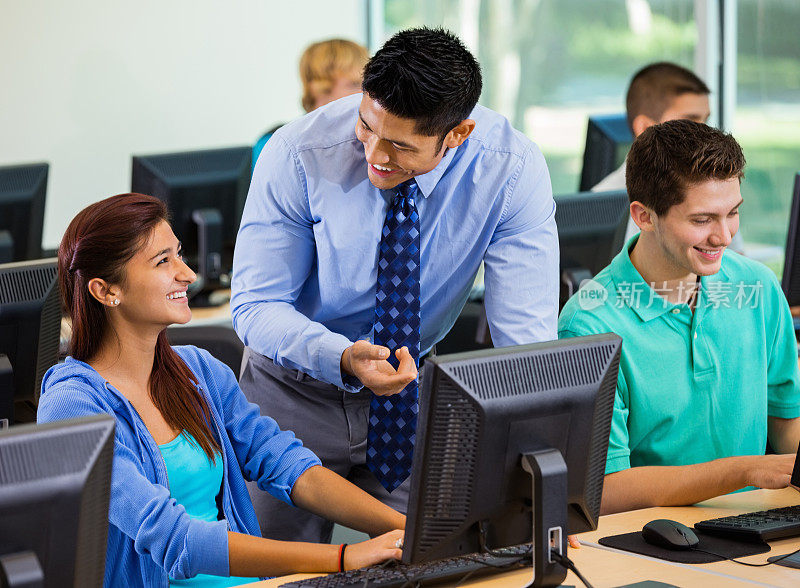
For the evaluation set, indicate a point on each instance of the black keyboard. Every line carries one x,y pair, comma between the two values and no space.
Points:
435,572
765,525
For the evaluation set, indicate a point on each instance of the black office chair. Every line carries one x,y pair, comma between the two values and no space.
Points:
220,341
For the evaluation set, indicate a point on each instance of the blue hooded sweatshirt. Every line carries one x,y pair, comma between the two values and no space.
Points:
150,535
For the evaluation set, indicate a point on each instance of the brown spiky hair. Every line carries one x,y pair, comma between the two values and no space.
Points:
667,158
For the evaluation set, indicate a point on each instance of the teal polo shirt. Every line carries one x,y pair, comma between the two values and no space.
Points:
692,387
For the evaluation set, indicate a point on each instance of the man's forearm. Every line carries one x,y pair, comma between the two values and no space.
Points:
648,486
277,329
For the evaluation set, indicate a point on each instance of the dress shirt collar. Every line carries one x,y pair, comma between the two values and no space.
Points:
427,182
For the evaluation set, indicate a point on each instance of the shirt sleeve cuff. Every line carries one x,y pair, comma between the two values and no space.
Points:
304,463
617,464
208,546
783,412
331,348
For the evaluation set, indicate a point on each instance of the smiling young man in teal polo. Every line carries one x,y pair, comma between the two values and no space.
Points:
709,367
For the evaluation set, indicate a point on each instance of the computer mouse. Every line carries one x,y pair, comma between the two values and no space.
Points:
669,535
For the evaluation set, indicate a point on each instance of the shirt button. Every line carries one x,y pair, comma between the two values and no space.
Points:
676,311
695,335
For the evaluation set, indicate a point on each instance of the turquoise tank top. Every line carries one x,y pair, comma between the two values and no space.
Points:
194,483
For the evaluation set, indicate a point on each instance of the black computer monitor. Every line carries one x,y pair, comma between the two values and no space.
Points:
608,139
591,231
6,247
511,444
30,327
205,192
54,494
791,263
22,196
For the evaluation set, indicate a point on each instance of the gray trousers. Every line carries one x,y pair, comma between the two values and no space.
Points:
328,420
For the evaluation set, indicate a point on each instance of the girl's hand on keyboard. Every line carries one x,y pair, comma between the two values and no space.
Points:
374,551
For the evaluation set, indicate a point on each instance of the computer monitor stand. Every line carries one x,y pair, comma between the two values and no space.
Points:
571,280
21,570
6,247
549,495
6,392
210,276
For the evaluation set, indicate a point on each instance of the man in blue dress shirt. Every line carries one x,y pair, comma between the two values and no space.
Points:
307,253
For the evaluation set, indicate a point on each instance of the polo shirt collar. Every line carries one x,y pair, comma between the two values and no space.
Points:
634,291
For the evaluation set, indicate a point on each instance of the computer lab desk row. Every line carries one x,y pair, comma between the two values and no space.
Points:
607,567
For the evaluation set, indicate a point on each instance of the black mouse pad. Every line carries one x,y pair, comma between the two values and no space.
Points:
793,561
727,548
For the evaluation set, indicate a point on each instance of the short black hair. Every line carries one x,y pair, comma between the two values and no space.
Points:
655,86
667,158
427,75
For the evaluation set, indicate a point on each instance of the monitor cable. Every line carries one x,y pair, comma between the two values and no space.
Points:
570,565
483,533
744,563
565,561
514,558
513,561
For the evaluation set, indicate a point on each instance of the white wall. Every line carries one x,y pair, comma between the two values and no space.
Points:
83,85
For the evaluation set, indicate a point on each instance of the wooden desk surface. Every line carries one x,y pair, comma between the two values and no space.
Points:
730,504
608,567
602,568
220,314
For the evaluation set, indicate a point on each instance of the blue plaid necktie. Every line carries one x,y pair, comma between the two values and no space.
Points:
393,419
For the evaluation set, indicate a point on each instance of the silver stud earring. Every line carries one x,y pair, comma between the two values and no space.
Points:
116,301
